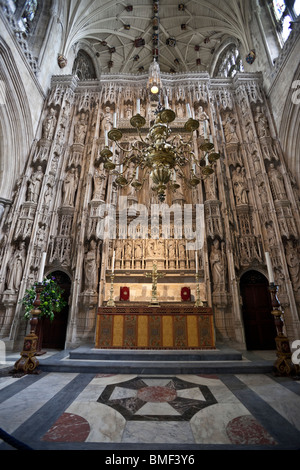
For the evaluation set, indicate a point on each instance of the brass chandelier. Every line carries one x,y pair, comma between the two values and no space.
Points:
158,155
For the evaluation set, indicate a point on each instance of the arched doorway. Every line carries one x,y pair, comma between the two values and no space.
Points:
260,331
54,333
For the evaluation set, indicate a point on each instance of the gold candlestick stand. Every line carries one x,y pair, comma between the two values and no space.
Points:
198,302
28,362
111,302
283,365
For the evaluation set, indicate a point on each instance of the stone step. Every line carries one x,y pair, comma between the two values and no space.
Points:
88,360
84,353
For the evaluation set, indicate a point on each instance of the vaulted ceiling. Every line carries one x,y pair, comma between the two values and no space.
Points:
121,33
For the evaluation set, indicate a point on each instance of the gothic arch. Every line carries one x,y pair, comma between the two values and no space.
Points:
84,66
54,333
259,327
220,52
15,123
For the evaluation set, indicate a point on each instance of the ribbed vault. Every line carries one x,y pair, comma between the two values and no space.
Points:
198,29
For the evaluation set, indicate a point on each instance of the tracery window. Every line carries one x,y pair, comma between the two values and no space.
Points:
24,11
285,12
29,12
230,62
83,66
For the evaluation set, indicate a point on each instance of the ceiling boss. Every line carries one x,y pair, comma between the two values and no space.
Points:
159,154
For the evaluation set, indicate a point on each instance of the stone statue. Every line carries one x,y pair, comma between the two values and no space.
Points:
292,259
240,186
106,123
171,249
277,183
16,267
138,250
218,266
210,187
229,130
262,124
128,250
204,128
34,185
69,187
49,124
99,185
90,268
80,130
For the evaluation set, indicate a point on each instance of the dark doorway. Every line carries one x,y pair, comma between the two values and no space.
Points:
260,331
54,333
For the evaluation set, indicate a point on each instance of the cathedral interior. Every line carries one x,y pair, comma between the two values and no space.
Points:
73,72
149,187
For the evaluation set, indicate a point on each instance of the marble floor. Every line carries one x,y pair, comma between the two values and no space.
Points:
84,411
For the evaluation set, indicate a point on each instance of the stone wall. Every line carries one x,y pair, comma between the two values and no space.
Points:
250,204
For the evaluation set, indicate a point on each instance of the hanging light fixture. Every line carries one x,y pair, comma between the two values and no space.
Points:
154,81
158,155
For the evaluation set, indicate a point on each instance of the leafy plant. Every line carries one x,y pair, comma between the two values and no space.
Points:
51,299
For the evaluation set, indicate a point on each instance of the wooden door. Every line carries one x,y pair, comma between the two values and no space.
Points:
54,333
260,331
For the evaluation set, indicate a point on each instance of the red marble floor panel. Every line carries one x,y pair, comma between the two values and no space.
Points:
68,428
156,394
245,430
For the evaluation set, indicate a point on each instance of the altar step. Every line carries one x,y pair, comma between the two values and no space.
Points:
161,362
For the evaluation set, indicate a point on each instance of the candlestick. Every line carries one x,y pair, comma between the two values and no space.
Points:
198,302
283,365
111,302
113,262
270,269
42,267
205,129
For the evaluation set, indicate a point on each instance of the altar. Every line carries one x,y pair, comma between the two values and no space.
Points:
168,326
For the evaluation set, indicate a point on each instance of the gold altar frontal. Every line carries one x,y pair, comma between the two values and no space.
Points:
163,327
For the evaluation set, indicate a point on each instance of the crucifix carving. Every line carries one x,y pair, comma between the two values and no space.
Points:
154,276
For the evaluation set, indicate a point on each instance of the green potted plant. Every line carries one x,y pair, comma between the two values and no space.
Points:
51,298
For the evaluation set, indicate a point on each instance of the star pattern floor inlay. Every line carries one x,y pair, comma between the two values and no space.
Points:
168,398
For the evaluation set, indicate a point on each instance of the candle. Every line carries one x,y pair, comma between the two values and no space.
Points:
106,138
196,259
115,121
166,102
188,110
113,262
42,267
138,106
270,269
137,172
205,129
